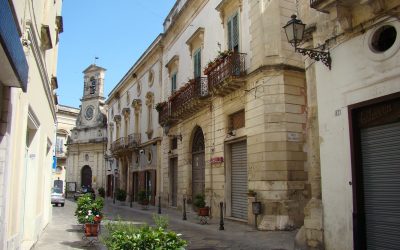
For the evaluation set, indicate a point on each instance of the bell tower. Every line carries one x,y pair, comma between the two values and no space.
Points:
93,82
92,102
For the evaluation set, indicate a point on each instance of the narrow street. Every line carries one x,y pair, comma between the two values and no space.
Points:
64,233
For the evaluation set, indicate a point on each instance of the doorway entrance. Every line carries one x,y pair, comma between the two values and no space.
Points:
173,180
86,176
198,163
376,173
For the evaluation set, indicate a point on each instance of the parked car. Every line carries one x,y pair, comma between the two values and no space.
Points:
57,196
84,190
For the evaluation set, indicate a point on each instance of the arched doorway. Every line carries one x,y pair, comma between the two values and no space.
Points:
198,163
86,176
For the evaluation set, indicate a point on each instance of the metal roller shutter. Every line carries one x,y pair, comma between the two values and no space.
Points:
239,180
380,148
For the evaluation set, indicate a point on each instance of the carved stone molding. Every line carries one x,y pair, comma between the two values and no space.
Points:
149,98
117,118
126,112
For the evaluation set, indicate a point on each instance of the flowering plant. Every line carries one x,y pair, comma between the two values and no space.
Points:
91,218
89,210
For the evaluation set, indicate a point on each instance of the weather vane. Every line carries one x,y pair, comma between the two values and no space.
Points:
95,58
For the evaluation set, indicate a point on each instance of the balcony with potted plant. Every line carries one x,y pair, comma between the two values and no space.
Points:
184,102
225,73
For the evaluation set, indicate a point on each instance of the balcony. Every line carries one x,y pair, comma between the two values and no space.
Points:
134,140
225,74
185,102
119,145
327,6
60,154
190,98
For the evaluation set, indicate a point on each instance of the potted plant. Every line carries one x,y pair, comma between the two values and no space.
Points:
120,195
143,198
102,192
200,203
159,106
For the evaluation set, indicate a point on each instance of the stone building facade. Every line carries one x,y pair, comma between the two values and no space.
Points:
88,141
232,112
29,35
66,120
134,137
354,201
238,123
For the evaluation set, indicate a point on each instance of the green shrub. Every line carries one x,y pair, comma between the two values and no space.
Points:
102,192
87,208
199,201
122,236
120,194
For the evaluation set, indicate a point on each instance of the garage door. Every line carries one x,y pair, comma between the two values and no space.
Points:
239,180
380,149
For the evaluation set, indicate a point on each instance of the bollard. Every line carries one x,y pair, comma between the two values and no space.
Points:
221,219
159,204
184,209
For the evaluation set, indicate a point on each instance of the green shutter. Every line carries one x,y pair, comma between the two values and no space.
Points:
173,83
197,63
235,33
230,47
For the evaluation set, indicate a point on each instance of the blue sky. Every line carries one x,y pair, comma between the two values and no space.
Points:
116,31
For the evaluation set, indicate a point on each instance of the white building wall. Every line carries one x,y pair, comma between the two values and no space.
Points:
353,79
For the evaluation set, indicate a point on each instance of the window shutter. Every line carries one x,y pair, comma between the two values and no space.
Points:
197,63
235,33
230,44
173,83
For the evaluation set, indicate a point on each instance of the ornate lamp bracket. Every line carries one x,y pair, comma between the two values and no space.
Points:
322,56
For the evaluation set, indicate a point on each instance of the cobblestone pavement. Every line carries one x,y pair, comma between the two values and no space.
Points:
201,237
64,233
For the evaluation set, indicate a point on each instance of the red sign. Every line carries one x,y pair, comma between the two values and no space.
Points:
215,160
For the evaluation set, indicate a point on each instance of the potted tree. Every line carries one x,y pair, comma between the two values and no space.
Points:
200,203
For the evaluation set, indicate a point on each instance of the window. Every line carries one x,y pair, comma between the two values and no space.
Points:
92,85
174,143
197,63
173,82
237,120
233,33
59,145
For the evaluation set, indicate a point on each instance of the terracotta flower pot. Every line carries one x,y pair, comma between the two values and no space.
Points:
91,229
204,211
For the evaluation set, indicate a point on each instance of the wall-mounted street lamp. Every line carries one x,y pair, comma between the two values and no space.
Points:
294,30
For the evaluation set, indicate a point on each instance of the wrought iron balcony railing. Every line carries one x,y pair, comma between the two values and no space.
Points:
164,112
184,102
189,95
134,140
230,67
119,144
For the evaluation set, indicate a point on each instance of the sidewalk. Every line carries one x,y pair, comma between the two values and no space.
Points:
235,236
63,232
